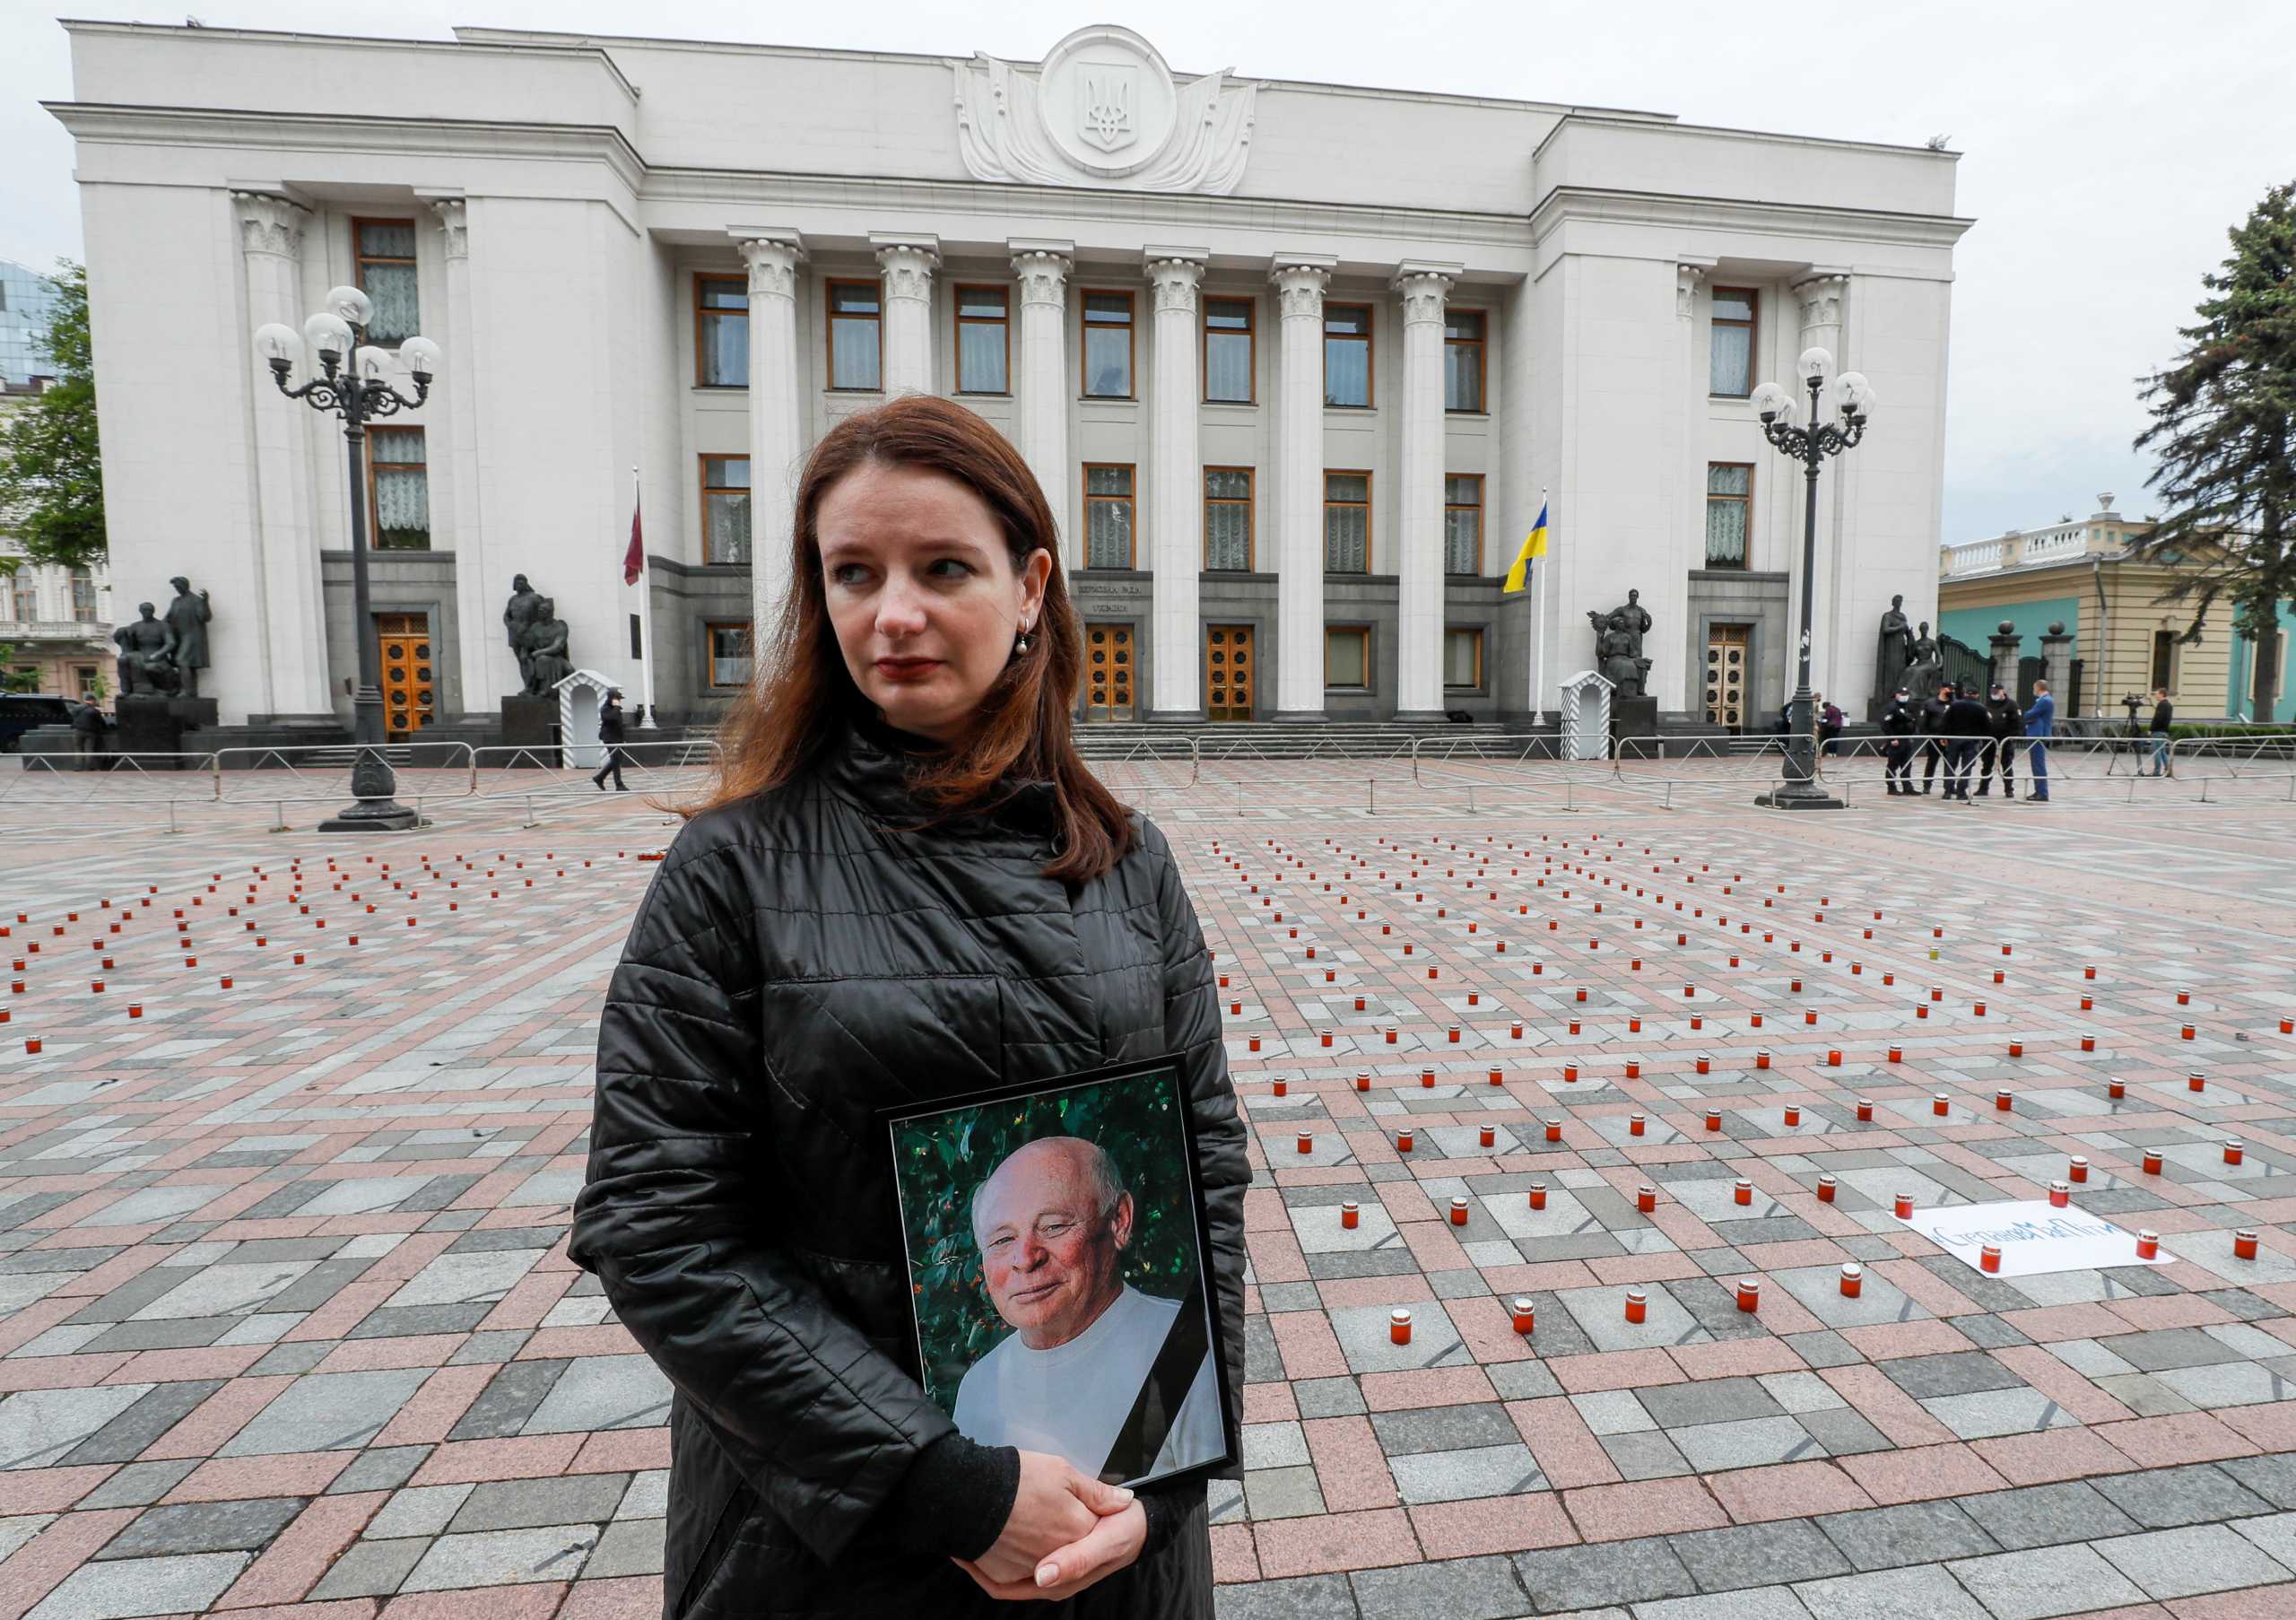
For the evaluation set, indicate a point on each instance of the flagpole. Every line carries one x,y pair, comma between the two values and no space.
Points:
645,609
1538,635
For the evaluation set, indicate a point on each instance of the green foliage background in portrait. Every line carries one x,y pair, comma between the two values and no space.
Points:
940,1158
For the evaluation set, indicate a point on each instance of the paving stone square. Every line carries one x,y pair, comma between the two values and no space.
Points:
285,1316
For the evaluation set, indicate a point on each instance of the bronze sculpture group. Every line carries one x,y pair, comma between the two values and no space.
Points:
1618,645
162,656
538,638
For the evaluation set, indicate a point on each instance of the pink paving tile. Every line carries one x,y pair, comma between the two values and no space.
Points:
1265,1211
174,1366
2182,1437
1433,1247
1233,1556
2149,1312
50,1490
2275,1602
345,1311
1738,1357
1648,1507
1925,1288
237,1478
2049,1455
620,1450
1275,1258
1488,1329
1613,1370
537,1602
1787,1257
217,1418
1923,1474
1566,1450
434,1408
1405,1201
1305,1340
376,1355
342,1609
23,1326
526,1456
2053,1324
607,1338
1337,1541
2271,1426
59,1371
1492,1524
2063,1385
1425,1386
1350,1467
34,1569
1630,1269
623,1597
1785,1491
1551,1276
292,1564
1269,1403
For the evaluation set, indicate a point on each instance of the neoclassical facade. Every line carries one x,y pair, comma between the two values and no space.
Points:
1296,364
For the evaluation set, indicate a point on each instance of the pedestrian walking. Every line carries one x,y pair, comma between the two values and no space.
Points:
2164,716
1899,721
2004,723
611,732
1830,726
894,889
2040,724
1966,728
1933,729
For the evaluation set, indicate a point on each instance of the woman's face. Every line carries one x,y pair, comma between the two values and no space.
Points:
922,593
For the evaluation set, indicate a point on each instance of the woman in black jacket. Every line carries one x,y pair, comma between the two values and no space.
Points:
904,884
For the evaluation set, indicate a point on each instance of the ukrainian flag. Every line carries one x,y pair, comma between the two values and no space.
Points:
1534,545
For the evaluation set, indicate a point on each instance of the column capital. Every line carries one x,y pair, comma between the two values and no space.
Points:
1688,274
270,222
454,224
1820,295
1043,273
773,265
1423,292
1176,278
908,267
1300,282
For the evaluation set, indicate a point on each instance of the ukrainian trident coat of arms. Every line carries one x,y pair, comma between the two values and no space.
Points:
1105,116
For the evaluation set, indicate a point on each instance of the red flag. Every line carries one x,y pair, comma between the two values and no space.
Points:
633,561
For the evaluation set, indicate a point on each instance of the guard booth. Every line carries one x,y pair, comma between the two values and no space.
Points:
580,696
1586,717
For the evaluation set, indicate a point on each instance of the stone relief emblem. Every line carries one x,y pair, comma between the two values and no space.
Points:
1102,109
1107,117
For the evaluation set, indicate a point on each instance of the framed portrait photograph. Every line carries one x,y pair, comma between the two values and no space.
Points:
1060,1271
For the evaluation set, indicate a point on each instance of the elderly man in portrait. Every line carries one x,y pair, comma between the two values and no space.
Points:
1117,1381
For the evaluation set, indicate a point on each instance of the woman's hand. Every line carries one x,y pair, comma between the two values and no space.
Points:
1054,1509
1112,1543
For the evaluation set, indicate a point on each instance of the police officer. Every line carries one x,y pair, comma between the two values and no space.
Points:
2003,722
1933,730
1897,724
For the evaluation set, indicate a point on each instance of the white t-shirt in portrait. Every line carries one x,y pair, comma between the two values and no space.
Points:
1072,1400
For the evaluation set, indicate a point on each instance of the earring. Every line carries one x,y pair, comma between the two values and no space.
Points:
1023,644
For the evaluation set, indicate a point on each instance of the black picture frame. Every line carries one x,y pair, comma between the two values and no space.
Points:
955,1114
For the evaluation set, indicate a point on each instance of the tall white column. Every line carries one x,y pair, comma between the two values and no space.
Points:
290,613
909,265
1175,484
1042,270
1419,565
777,424
489,669
1300,281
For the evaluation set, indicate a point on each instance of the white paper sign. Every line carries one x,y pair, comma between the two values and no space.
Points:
2034,1236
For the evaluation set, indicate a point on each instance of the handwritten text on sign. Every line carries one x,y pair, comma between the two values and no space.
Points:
2034,1236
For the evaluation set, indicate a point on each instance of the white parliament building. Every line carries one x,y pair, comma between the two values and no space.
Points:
1295,363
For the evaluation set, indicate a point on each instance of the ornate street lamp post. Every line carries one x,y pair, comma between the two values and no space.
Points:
1797,788
354,384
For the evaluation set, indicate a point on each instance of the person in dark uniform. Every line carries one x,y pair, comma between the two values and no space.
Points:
1966,728
611,732
2002,722
1933,729
2164,717
1897,723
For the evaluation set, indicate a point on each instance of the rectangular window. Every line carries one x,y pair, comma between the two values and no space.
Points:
26,596
856,332
1347,354
398,490
721,332
83,597
385,249
1228,517
724,509
1108,516
1463,522
1108,345
1228,350
2164,660
1347,657
984,347
1463,659
1347,523
84,674
1729,505
1463,351
1731,370
730,655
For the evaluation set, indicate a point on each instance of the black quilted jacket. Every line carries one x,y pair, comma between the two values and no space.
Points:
798,963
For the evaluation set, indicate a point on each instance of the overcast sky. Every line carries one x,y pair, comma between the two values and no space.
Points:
2108,145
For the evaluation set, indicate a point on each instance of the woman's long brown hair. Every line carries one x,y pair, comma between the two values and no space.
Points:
802,698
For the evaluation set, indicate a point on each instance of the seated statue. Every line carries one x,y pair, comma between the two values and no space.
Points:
547,663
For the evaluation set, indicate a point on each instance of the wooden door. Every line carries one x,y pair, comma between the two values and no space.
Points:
1725,675
1229,671
407,681
1107,672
